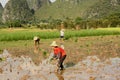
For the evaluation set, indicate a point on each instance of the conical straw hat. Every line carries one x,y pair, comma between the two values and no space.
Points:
54,44
36,38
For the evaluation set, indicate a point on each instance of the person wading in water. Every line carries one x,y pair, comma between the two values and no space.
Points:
59,54
36,43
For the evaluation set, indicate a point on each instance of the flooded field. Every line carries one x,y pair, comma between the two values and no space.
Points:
91,68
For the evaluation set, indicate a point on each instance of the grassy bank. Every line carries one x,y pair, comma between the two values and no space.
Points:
28,34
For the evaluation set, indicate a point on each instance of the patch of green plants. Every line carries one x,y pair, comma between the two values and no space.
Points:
76,39
44,53
81,46
2,59
28,34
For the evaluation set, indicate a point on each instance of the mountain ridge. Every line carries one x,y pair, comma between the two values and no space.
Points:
13,12
64,8
102,9
60,9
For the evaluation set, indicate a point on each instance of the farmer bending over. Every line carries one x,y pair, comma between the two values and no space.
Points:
36,40
59,54
36,43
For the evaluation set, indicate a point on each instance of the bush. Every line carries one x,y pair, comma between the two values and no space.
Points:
16,23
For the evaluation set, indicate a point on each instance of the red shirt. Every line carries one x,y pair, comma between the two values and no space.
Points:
59,50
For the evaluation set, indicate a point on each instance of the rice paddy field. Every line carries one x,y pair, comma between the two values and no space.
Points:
103,45
28,34
20,41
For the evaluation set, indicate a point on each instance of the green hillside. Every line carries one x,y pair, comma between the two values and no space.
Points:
81,13
15,10
34,4
1,10
61,9
103,9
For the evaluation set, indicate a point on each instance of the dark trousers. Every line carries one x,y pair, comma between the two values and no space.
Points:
60,62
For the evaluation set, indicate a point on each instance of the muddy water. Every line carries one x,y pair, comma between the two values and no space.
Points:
91,68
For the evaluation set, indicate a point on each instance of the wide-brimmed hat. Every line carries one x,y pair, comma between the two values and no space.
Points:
35,38
54,44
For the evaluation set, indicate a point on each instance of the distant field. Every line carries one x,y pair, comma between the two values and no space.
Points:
78,44
28,34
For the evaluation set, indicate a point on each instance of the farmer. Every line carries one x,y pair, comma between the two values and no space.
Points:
36,42
61,34
59,54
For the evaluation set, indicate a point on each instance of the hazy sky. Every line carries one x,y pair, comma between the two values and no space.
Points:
52,0
5,1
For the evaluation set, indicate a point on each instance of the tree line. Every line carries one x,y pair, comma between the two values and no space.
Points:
113,20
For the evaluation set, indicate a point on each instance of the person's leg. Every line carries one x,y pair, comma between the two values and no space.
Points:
62,38
61,62
38,41
35,44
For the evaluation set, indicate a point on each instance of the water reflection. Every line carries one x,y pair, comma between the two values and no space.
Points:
59,75
91,68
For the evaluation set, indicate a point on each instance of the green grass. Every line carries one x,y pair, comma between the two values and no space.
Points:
93,32
28,34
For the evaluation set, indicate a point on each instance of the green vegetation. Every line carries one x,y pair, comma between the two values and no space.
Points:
62,9
103,9
92,32
1,10
28,34
78,8
34,4
112,20
15,10
74,14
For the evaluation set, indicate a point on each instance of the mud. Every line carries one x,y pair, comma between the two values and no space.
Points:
91,68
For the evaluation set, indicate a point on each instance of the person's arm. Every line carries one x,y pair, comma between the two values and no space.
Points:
55,56
59,55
